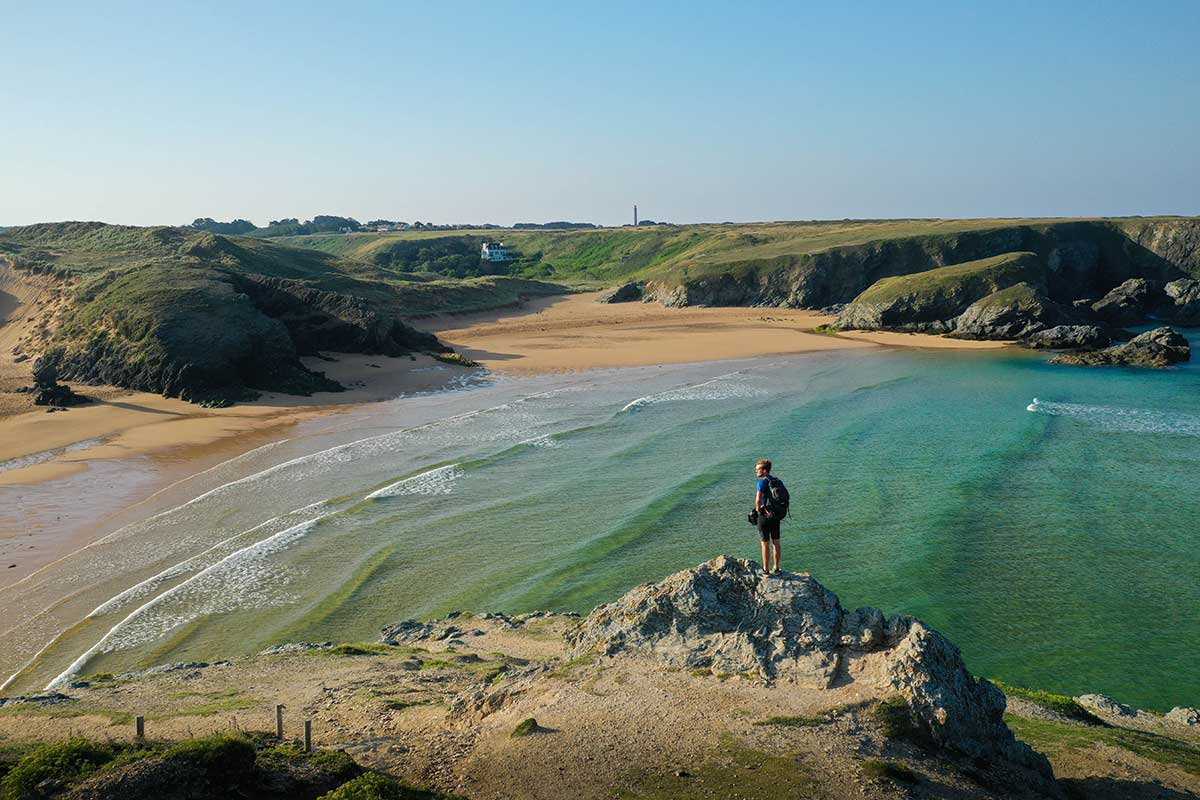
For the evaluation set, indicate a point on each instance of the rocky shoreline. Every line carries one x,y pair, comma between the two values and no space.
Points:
715,681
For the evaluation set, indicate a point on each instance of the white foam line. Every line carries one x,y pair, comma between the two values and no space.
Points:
391,489
295,532
643,400
1122,420
133,591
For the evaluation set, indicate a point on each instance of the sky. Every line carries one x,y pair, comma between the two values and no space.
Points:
457,112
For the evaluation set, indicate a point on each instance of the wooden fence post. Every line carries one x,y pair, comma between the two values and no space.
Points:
308,735
278,721
140,723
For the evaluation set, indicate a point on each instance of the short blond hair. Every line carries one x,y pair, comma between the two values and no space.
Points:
765,463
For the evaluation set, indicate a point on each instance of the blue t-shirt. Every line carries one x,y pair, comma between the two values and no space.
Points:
763,483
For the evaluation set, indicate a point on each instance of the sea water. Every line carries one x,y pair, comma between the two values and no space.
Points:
1053,539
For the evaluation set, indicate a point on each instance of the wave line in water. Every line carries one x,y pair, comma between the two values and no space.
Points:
1122,420
437,481
119,637
697,391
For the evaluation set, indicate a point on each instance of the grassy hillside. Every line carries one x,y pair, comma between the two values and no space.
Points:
213,318
802,263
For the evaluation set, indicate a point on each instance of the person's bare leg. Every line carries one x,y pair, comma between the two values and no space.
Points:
766,563
775,543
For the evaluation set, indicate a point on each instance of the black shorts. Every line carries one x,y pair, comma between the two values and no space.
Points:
768,528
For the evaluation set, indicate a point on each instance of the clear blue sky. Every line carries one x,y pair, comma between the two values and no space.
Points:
457,112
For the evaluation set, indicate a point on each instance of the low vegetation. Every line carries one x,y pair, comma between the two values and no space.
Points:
1056,738
222,765
896,719
1058,703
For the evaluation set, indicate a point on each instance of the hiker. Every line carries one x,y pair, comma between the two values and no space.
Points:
770,507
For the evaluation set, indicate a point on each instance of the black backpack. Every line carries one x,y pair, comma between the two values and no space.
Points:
776,498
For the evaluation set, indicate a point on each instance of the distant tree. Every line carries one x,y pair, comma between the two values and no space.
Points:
212,226
285,221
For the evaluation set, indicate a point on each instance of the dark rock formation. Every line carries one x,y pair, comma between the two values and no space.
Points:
1069,337
628,293
1160,347
1182,306
729,616
49,391
1012,313
1128,303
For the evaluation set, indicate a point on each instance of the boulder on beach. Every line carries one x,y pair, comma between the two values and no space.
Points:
1160,347
729,616
1183,302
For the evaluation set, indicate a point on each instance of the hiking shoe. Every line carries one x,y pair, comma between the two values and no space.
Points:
777,571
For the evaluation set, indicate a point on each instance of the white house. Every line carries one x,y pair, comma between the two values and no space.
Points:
493,251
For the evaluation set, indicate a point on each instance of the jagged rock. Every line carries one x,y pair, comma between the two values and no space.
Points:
1128,303
628,293
295,647
1105,705
1160,347
1065,337
729,616
49,699
59,395
409,630
1181,715
1183,302
162,669
1011,313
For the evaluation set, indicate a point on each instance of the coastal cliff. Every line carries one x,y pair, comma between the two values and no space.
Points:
717,681
217,319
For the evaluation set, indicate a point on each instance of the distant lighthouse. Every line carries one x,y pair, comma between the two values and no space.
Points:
635,215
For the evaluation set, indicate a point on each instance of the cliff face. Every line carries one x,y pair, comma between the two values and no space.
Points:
1082,259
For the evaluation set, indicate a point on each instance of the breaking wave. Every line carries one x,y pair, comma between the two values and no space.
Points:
1122,420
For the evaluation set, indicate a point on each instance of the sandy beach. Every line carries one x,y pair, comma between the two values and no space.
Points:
560,334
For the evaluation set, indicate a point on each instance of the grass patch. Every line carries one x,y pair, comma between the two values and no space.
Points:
525,727
66,762
735,771
880,770
823,718
1058,703
208,709
373,786
826,330
896,719
358,649
568,668
1053,737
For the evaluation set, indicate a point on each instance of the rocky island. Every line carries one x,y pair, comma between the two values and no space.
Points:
718,681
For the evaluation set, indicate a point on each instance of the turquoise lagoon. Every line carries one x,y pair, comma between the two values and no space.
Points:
1054,541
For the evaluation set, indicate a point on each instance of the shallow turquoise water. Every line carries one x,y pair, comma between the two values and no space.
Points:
1057,547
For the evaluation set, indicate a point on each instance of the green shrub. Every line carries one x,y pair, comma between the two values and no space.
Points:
219,754
525,727
894,771
373,786
64,761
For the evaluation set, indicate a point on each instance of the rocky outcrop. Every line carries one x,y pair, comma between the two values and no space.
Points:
932,301
629,293
729,616
1128,303
1069,337
1012,313
1182,306
1182,715
1160,347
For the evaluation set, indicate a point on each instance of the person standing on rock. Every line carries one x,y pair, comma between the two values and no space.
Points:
771,502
